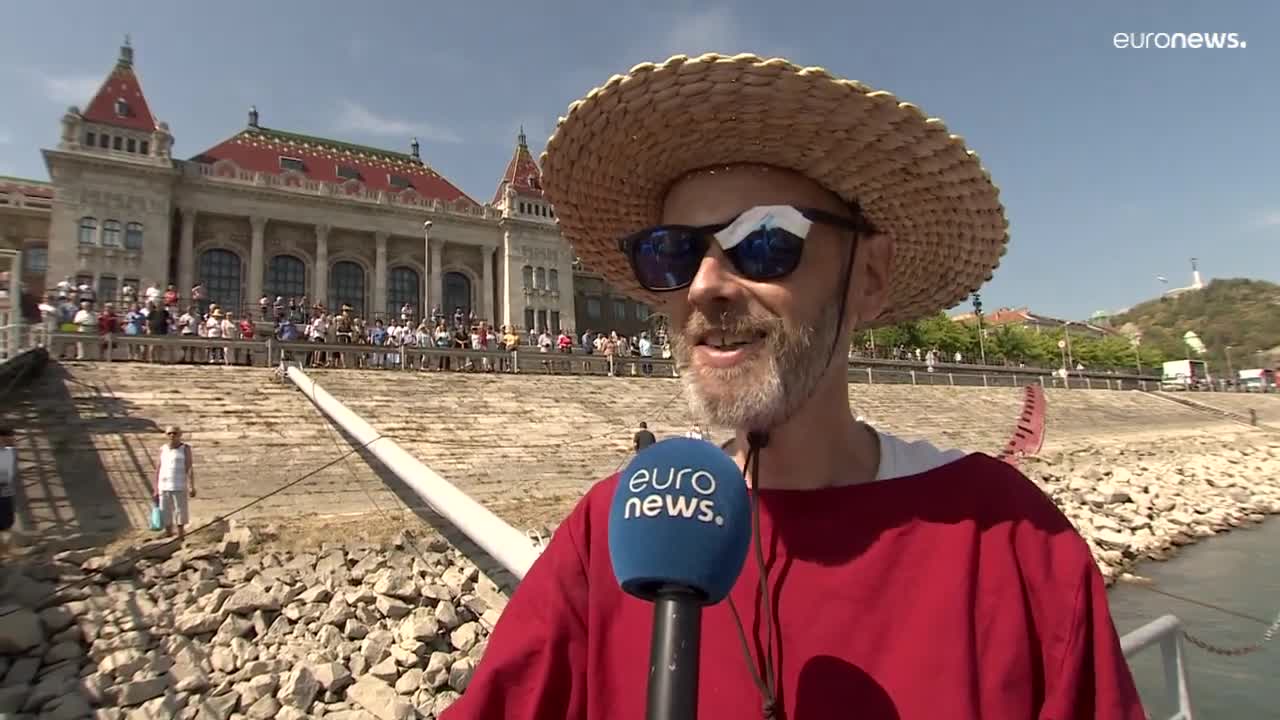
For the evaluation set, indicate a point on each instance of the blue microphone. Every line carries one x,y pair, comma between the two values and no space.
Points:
679,531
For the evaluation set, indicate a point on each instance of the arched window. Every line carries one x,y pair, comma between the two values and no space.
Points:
457,294
286,278
540,278
219,272
111,233
526,274
553,280
346,287
88,231
402,287
133,236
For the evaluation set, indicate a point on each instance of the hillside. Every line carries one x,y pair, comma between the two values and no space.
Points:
1243,314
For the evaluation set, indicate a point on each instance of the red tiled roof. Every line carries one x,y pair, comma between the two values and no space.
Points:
30,188
259,149
522,173
121,84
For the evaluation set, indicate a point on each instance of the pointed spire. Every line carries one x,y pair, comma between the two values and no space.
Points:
521,138
253,116
414,149
126,52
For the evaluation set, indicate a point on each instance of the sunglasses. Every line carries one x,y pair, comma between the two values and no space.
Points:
763,243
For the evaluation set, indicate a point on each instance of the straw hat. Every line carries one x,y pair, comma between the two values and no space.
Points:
613,157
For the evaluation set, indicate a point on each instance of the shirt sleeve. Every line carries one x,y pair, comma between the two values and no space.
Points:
535,665
1092,680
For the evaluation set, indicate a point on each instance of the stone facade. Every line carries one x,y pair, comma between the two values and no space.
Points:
122,211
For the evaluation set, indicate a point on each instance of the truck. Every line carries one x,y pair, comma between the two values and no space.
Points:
1185,375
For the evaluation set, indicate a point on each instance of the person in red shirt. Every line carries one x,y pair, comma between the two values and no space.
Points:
108,326
770,211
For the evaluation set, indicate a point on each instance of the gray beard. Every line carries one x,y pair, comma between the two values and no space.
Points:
767,389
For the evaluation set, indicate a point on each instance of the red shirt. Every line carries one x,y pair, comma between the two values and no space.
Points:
961,592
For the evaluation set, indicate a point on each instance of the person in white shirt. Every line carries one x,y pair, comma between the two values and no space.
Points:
153,294
696,433
175,482
544,342
213,331
86,322
8,478
229,333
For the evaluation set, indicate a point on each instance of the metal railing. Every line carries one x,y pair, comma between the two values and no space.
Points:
1165,633
268,351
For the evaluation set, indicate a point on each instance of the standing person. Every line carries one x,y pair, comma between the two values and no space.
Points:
644,438
770,212
696,433
175,482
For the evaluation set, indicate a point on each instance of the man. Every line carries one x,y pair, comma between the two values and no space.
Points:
696,433
769,211
175,481
644,438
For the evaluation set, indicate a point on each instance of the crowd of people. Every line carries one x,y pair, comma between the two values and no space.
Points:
71,308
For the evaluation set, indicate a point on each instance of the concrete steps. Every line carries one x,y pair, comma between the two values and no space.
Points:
90,434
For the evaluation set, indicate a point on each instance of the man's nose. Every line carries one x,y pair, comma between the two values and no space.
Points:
716,282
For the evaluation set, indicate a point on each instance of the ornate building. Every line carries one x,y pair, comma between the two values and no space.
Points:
276,213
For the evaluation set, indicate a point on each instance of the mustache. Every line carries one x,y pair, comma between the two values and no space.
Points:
698,325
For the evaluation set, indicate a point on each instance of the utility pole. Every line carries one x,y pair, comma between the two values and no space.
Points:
977,311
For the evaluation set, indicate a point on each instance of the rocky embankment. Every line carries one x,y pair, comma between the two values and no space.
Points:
254,627
1141,501
238,629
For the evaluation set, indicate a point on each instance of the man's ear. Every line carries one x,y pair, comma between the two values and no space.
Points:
869,285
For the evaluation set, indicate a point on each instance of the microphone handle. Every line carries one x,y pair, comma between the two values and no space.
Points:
674,655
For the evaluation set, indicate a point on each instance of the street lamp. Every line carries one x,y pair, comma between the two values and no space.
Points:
427,307
977,311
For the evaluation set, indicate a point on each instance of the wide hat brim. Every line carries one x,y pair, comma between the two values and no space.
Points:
613,157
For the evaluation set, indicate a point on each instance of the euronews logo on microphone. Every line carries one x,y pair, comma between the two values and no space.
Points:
678,492
680,517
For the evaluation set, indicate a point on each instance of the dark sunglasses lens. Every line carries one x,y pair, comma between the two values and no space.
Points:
768,254
667,258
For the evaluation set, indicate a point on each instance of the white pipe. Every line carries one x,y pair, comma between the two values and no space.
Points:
511,548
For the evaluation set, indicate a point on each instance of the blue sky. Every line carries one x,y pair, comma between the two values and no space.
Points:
1116,166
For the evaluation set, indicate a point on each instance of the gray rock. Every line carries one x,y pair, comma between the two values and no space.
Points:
20,630
460,673
217,707
387,670
332,676
299,688
409,682
249,598
465,637
391,607
263,709
380,700
140,691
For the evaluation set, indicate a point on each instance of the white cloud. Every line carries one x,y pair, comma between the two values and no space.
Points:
5,137
710,30
69,89
1269,219
356,118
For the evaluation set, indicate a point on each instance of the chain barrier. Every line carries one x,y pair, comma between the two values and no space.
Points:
1236,651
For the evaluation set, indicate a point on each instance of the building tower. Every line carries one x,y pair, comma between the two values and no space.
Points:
110,224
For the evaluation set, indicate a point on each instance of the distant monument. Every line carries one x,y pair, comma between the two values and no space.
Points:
1197,283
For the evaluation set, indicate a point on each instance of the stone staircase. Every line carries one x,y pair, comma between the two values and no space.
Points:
1101,416
89,435
529,446
1233,405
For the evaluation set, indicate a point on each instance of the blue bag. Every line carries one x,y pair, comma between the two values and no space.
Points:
157,517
